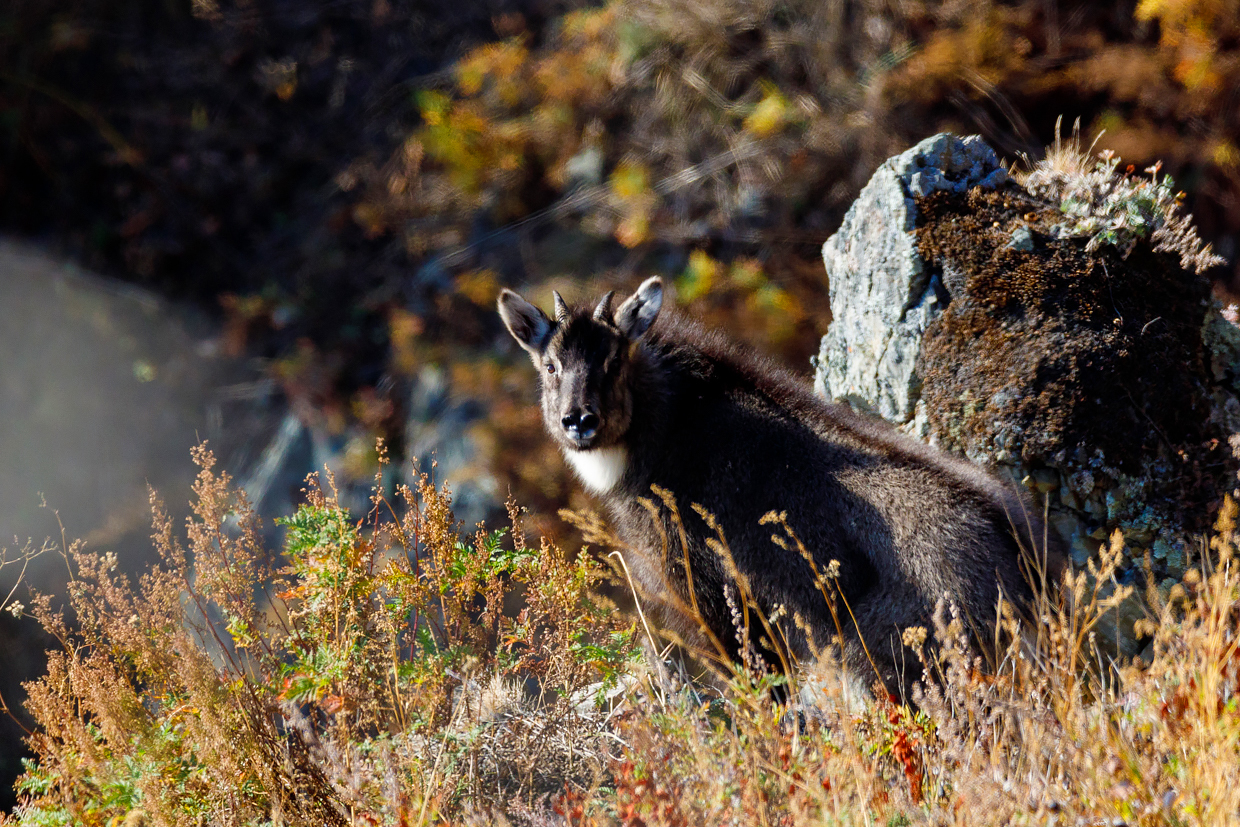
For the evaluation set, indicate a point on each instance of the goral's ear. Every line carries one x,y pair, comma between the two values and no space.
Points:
527,324
639,310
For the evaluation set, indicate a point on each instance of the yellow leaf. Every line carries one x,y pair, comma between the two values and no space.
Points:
629,181
1225,155
469,78
633,229
699,277
479,286
404,328
589,25
747,273
769,115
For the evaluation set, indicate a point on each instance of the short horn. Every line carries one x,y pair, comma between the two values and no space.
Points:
602,313
561,309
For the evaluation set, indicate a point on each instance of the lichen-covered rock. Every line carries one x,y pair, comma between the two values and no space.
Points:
882,296
1105,381
1220,335
1086,375
1052,349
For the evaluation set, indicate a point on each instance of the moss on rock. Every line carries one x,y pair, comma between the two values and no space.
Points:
1088,367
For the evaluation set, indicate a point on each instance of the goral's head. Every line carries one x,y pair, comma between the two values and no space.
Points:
585,360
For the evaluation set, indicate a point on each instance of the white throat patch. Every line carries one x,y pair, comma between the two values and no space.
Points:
600,469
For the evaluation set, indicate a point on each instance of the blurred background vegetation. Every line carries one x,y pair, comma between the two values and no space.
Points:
347,183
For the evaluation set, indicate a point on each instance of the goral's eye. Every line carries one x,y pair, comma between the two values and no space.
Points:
550,367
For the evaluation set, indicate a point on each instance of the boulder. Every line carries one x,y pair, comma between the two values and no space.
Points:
1104,379
882,295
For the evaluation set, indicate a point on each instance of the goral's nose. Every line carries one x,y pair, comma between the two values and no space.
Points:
580,424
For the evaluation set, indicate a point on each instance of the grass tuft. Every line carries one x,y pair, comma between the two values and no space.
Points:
395,670
1116,208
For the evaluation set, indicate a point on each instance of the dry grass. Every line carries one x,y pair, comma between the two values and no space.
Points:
1113,208
1056,734
376,672
390,672
1056,730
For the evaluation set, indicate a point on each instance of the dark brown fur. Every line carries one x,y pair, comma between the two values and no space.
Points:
723,428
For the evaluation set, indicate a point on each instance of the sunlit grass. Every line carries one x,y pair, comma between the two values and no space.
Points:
395,670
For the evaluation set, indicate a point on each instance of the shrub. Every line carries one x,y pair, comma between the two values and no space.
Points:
1116,209
370,674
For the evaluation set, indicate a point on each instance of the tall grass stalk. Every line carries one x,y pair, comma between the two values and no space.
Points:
394,670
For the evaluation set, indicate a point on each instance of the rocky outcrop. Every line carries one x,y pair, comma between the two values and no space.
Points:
1103,380
882,294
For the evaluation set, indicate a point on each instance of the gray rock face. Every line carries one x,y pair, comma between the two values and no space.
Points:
882,298
439,444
